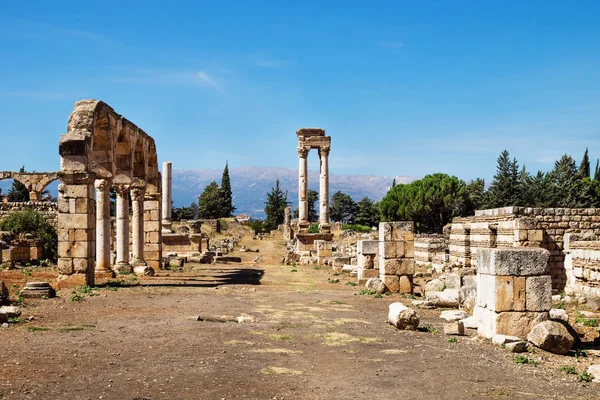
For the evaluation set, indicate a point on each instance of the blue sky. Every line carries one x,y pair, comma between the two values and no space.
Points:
403,88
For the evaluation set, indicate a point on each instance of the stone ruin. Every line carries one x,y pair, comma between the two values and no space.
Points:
34,182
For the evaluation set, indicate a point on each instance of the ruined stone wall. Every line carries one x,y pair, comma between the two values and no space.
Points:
47,209
431,250
522,227
582,263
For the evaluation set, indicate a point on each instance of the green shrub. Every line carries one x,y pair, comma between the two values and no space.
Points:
314,228
31,221
569,369
356,228
585,377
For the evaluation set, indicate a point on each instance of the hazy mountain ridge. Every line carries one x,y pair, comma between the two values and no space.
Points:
250,185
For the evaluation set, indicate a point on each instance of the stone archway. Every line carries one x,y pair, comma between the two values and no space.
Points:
34,182
100,150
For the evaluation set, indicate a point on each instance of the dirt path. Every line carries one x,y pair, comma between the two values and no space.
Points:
310,340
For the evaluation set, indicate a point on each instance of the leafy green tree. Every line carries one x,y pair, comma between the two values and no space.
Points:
31,221
18,192
504,190
313,199
343,208
394,182
257,225
430,202
275,205
475,196
584,167
367,213
180,213
226,204
209,202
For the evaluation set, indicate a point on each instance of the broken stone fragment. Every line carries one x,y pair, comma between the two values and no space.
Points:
517,347
559,315
500,340
453,315
375,285
447,298
551,336
454,328
403,317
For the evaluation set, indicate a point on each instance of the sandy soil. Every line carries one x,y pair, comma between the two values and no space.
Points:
311,339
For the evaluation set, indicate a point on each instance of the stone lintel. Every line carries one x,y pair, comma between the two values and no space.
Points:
306,132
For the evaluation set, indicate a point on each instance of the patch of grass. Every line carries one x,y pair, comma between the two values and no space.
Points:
76,328
294,270
36,329
453,340
334,280
569,369
351,283
27,271
430,328
366,292
590,322
283,338
585,377
579,353
337,302
525,360
318,267
16,320
86,290
560,306
378,296
76,296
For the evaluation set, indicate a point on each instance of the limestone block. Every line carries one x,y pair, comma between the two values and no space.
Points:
434,285
398,230
80,265
339,262
392,282
517,347
446,298
403,317
405,284
391,249
453,315
513,261
454,328
516,323
365,261
376,285
451,281
367,247
551,336
364,274
65,266
397,266
74,221
539,293
409,249
557,314
519,293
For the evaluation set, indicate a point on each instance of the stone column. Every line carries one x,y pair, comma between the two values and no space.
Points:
122,264
137,197
102,227
167,176
303,189
324,226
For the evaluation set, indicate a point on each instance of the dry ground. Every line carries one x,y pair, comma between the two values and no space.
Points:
311,340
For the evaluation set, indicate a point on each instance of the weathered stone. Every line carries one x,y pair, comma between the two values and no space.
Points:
539,293
557,314
405,283
143,270
402,317
454,328
500,340
434,285
518,323
551,336
594,370
513,261
392,283
470,322
517,347
452,281
453,315
376,285
467,298
365,247
10,311
446,298
396,266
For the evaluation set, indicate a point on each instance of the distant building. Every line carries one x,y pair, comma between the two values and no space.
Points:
243,218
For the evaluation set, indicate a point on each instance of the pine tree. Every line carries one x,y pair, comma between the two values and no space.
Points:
313,198
18,192
584,167
504,190
343,208
566,183
275,207
367,213
209,202
226,207
394,182
475,196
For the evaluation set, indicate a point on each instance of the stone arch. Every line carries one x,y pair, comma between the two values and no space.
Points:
34,182
99,149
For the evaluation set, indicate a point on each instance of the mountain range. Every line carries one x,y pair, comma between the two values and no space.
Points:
250,185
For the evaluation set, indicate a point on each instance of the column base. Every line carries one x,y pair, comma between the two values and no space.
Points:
104,274
139,263
303,226
325,228
166,227
123,268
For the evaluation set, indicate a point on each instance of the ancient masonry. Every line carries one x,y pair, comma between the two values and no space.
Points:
48,209
34,182
100,150
366,253
396,255
582,263
431,250
313,138
514,291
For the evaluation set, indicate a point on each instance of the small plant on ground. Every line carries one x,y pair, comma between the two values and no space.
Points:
585,377
294,270
334,280
430,328
378,296
569,369
590,322
75,296
579,353
27,271
453,340
366,292
560,306
351,283
525,360
318,267
36,329
16,320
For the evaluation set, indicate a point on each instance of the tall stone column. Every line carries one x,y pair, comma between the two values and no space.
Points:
137,197
102,227
303,189
324,226
167,197
122,264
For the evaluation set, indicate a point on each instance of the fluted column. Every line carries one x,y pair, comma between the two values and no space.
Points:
167,197
122,264
324,226
303,189
137,197
102,226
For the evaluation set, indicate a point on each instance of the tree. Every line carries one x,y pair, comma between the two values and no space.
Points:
394,182
180,213
31,221
18,192
504,190
367,213
313,199
275,206
475,196
537,191
226,204
343,208
597,171
566,184
209,202
584,167
430,202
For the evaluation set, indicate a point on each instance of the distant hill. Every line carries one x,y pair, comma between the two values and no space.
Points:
250,185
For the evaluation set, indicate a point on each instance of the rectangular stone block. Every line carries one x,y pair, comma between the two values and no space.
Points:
65,265
409,249
519,293
406,284
367,247
517,323
512,261
501,293
391,249
482,290
74,221
397,230
397,266
392,282
367,274
538,293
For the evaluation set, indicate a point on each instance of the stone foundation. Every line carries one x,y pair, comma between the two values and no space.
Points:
396,255
582,263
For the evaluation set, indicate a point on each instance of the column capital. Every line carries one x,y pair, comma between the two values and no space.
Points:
137,193
303,152
121,189
324,151
102,184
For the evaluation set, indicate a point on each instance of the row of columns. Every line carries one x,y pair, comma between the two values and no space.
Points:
323,188
123,192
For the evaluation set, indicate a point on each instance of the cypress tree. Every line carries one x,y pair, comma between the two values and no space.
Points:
597,171
275,207
504,190
584,167
226,206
